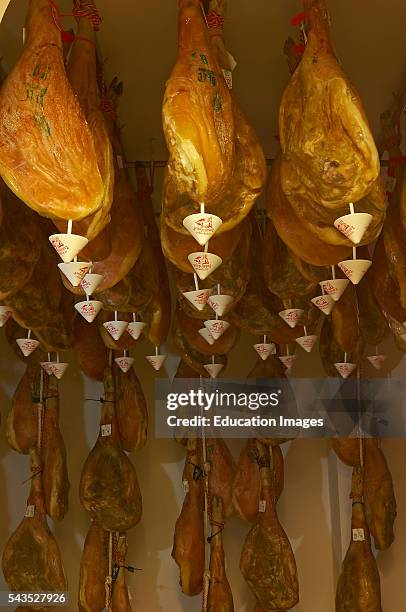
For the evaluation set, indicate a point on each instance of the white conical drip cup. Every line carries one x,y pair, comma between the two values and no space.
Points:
325,303
5,314
89,309
264,349
213,369
291,316
116,328
75,271
288,361
307,342
124,363
156,361
376,361
90,282
345,369
135,329
354,269
202,226
27,345
206,335
204,263
68,245
220,303
353,225
335,287
58,369
216,327
198,298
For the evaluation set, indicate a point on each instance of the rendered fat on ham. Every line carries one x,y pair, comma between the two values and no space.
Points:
47,156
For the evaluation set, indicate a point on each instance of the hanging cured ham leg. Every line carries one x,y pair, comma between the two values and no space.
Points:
189,545
31,558
94,568
197,113
221,473
109,487
131,409
22,420
220,597
121,597
359,584
267,561
48,155
53,456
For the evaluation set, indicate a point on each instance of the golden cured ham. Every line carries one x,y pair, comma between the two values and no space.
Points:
47,156
109,487
221,472
94,568
81,70
121,600
329,152
31,558
189,543
267,561
197,114
358,587
220,597
89,348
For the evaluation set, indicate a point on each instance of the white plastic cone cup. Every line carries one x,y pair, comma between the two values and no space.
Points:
89,309
58,369
116,328
156,361
220,303
355,269
345,369
202,226
47,366
206,335
291,316
135,329
75,271
325,303
335,287
307,342
214,369
264,349
198,299
288,360
27,345
216,327
5,314
204,264
124,363
376,361
68,245
90,282
353,226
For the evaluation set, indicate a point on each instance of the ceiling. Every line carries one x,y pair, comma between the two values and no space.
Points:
139,39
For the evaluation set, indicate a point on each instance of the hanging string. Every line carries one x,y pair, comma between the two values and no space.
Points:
87,10
40,407
108,580
206,577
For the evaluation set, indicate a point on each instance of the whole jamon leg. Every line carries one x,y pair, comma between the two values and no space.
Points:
53,456
48,156
131,409
189,543
267,561
94,569
247,481
221,473
121,601
358,588
220,597
379,496
22,420
197,113
109,487
31,558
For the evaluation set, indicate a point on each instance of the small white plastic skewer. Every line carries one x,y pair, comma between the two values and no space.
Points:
354,252
212,359
264,339
345,357
305,330
156,351
352,211
196,281
333,272
202,209
28,334
115,315
70,224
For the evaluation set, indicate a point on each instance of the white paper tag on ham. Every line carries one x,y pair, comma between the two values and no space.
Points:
120,161
228,77
262,505
105,430
358,535
30,511
186,486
